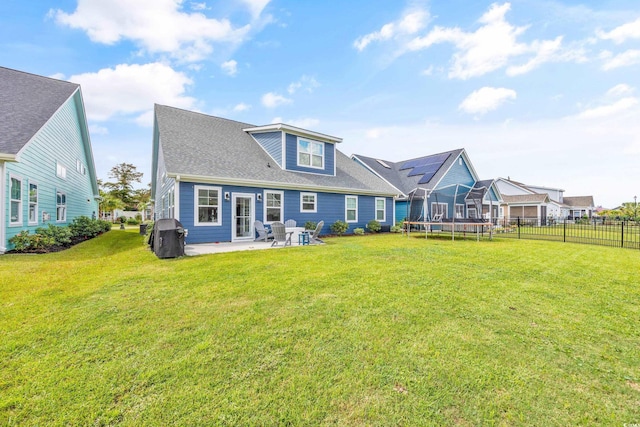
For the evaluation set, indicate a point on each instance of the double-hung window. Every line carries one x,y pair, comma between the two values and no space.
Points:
33,203
308,202
310,154
459,210
351,208
207,200
61,206
16,201
381,204
172,206
273,206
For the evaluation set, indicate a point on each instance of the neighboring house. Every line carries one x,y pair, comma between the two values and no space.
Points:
580,206
217,176
443,184
47,174
542,203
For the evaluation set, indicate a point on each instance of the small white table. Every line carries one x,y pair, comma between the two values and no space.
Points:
295,233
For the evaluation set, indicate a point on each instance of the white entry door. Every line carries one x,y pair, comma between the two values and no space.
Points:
243,216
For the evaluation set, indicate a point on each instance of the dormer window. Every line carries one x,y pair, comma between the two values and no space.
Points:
310,154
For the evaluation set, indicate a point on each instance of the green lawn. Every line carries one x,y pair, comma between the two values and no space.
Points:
376,330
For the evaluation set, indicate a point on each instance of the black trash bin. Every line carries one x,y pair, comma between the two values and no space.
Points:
167,239
143,229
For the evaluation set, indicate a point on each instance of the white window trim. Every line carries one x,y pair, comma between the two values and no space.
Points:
61,170
172,203
458,205
64,218
315,203
264,205
311,142
475,212
196,219
446,209
29,202
384,209
346,209
20,219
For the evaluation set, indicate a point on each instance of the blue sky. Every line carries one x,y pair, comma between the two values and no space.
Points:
543,92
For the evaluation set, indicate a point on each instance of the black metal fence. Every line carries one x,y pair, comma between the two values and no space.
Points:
595,231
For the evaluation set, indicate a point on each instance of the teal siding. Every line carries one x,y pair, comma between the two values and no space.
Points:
271,142
61,140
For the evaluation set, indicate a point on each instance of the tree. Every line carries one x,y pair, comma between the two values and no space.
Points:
124,174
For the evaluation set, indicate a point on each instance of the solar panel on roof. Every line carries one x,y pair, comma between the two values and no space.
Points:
421,170
426,178
438,159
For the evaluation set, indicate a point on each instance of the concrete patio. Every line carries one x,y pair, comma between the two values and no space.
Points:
214,248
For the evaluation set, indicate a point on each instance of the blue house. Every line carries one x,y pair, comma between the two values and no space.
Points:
217,176
443,184
47,175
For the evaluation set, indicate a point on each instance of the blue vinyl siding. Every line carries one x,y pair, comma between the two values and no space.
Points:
291,144
61,140
164,184
271,142
458,174
330,208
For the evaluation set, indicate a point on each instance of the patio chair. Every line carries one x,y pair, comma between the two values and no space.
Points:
437,218
263,233
313,236
280,234
290,223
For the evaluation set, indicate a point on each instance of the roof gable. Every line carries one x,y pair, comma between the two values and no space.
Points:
211,149
27,102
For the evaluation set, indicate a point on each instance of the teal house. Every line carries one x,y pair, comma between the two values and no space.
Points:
47,174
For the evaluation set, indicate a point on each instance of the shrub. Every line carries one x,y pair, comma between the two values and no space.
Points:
132,221
53,235
122,219
358,231
396,229
83,227
21,241
139,218
310,225
339,227
373,226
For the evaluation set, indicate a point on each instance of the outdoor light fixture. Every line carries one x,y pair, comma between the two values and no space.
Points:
227,196
259,197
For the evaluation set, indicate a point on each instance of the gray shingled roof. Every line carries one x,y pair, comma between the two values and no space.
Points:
399,179
27,101
526,198
205,146
578,201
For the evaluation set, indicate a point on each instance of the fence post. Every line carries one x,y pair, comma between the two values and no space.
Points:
564,232
622,234
518,227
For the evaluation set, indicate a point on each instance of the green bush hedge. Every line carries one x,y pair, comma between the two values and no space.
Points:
52,237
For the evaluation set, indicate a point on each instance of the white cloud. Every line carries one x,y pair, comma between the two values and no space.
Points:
199,6
272,100
620,90
624,59
305,83
241,107
98,130
256,6
230,67
411,22
486,99
622,33
158,26
427,71
610,110
493,46
132,90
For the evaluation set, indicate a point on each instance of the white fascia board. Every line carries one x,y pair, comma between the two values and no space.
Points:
8,157
276,185
294,130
